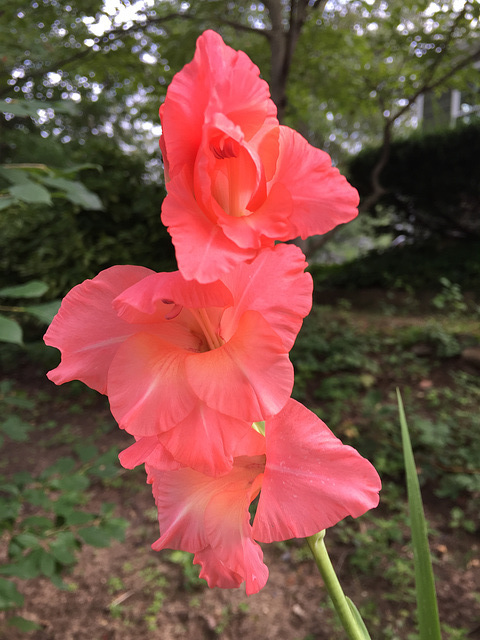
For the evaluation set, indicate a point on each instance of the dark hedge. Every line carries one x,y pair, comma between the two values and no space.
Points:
432,183
408,267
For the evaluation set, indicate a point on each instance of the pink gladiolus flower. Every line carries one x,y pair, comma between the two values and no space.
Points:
237,181
185,365
308,481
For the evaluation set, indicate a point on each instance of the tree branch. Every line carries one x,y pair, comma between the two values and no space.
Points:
428,85
187,16
54,66
377,189
120,32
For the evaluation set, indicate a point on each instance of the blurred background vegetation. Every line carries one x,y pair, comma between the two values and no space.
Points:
391,90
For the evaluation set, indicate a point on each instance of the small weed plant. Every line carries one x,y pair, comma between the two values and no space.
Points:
44,516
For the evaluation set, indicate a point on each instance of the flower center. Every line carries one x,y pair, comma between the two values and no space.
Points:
225,148
212,337
201,320
234,176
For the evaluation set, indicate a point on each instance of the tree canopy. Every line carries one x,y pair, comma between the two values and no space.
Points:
342,70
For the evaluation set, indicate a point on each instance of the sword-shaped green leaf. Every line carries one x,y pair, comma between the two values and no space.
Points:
427,608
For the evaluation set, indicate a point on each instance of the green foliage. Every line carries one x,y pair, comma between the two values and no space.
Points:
10,330
190,571
64,244
450,299
460,521
389,52
377,545
33,289
35,183
24,108
336,348
155,584
44,515
23,624
119,78
427,607
83,89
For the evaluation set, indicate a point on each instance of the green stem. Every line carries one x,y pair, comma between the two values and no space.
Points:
13,309
324,564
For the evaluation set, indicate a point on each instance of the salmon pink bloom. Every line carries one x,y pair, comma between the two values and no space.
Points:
308,481
185,365
237,181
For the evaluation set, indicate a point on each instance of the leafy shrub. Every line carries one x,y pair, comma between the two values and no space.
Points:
10,329
64,244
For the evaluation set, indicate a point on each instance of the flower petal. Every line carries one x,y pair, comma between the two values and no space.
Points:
206,440
249,377
210,517
272,219
219,79
203,251
148,450
227,522
149,295
87,330
229,174
181,498
146,386
215,572
322,197
275,285
311,479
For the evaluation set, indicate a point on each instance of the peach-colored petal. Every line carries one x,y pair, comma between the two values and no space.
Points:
251,444
227,523
203,251
311,479
249,377
147,386
229,179
215,572
322,198
87,329
206,440
237,180
210,517
148,450
218,79
266,142
274,284
181,498
153,296
272,219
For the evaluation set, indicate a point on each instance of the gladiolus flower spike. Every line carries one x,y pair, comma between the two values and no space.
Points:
195,362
